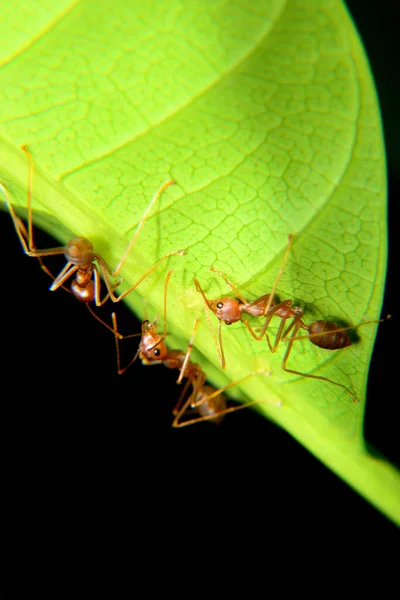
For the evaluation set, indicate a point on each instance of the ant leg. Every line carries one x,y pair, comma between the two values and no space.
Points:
50,274
338,330
42,265
21,230
221,347
178,405
31,243
196,404
217,342
251,330
29,247
168,277
141,223
320,377
213,416
281,335
281,306
280,272
231,285
131,244
188,353
116,333
162,337
203,406
117,337
207,310
263,331
184,406
272,347
64,274
278,337
139,281
97,284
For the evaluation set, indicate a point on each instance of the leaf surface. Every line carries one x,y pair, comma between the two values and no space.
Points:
267,119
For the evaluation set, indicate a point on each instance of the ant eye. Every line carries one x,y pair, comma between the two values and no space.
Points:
156,352
220,304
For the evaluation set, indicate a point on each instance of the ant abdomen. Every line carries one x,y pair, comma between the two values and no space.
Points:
209,407
85,293
82,286
325,334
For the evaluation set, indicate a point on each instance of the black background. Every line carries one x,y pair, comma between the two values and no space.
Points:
86,450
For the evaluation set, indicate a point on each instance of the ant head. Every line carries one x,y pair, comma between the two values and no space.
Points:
79,252
158,352
151,354
152,346
226,309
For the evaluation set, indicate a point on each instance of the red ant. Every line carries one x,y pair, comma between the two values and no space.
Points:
327,335
82,261
206,400
230,310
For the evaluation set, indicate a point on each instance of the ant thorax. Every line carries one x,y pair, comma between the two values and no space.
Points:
257,309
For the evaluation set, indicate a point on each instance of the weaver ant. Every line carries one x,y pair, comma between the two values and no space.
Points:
229,310
82,261
208,402
325,334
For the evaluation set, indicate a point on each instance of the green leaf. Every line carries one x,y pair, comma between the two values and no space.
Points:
267,119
